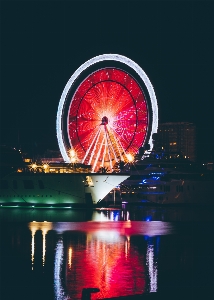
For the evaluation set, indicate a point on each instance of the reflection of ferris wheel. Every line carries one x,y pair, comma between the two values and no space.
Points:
106,117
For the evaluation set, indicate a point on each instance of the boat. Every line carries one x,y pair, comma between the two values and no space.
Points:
155,179
66,189
163,180
52,185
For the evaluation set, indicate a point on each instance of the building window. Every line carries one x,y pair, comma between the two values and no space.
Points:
166,188
28,184
181,188
15,186
4,184
41,184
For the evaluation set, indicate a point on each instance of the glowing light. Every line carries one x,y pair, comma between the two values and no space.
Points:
69,257
73,156
34,166
97,59
72,153
130,157
45,166
34,226
73,159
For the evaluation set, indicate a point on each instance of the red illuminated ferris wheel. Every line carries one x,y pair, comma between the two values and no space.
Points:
105,119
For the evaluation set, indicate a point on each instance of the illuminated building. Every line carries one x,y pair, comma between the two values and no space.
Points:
178,138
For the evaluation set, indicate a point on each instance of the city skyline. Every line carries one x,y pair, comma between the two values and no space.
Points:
43,43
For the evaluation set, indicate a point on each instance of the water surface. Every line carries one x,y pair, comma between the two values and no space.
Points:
54,254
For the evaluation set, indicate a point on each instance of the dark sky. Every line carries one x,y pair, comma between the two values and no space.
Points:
44,42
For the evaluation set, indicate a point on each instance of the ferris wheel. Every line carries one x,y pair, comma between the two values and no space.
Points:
106,117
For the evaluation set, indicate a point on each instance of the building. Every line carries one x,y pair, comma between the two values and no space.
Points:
178,139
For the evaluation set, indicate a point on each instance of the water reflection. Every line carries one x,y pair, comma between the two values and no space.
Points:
58,275
142,213
34,227
110,215
69,257
151,261
119,258
138,253
99,261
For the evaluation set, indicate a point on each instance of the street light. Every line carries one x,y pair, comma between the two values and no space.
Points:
33,167
45,166
72,156
130,157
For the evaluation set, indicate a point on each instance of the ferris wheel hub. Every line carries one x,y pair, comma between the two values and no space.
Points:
104,120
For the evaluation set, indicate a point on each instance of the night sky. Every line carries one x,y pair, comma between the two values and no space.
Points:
44,42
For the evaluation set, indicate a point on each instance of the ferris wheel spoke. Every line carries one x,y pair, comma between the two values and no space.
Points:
113,144
91,145
117,93
104,154
114,151
108,147
98,154
122,151
120,134
94,149
126,107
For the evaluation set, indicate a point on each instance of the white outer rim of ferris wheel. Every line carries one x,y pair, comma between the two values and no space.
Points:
83,67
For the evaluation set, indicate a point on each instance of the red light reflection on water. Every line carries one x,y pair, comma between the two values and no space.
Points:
107,259
111,256
111,264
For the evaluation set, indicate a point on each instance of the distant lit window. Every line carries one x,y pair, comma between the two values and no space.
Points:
27,160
